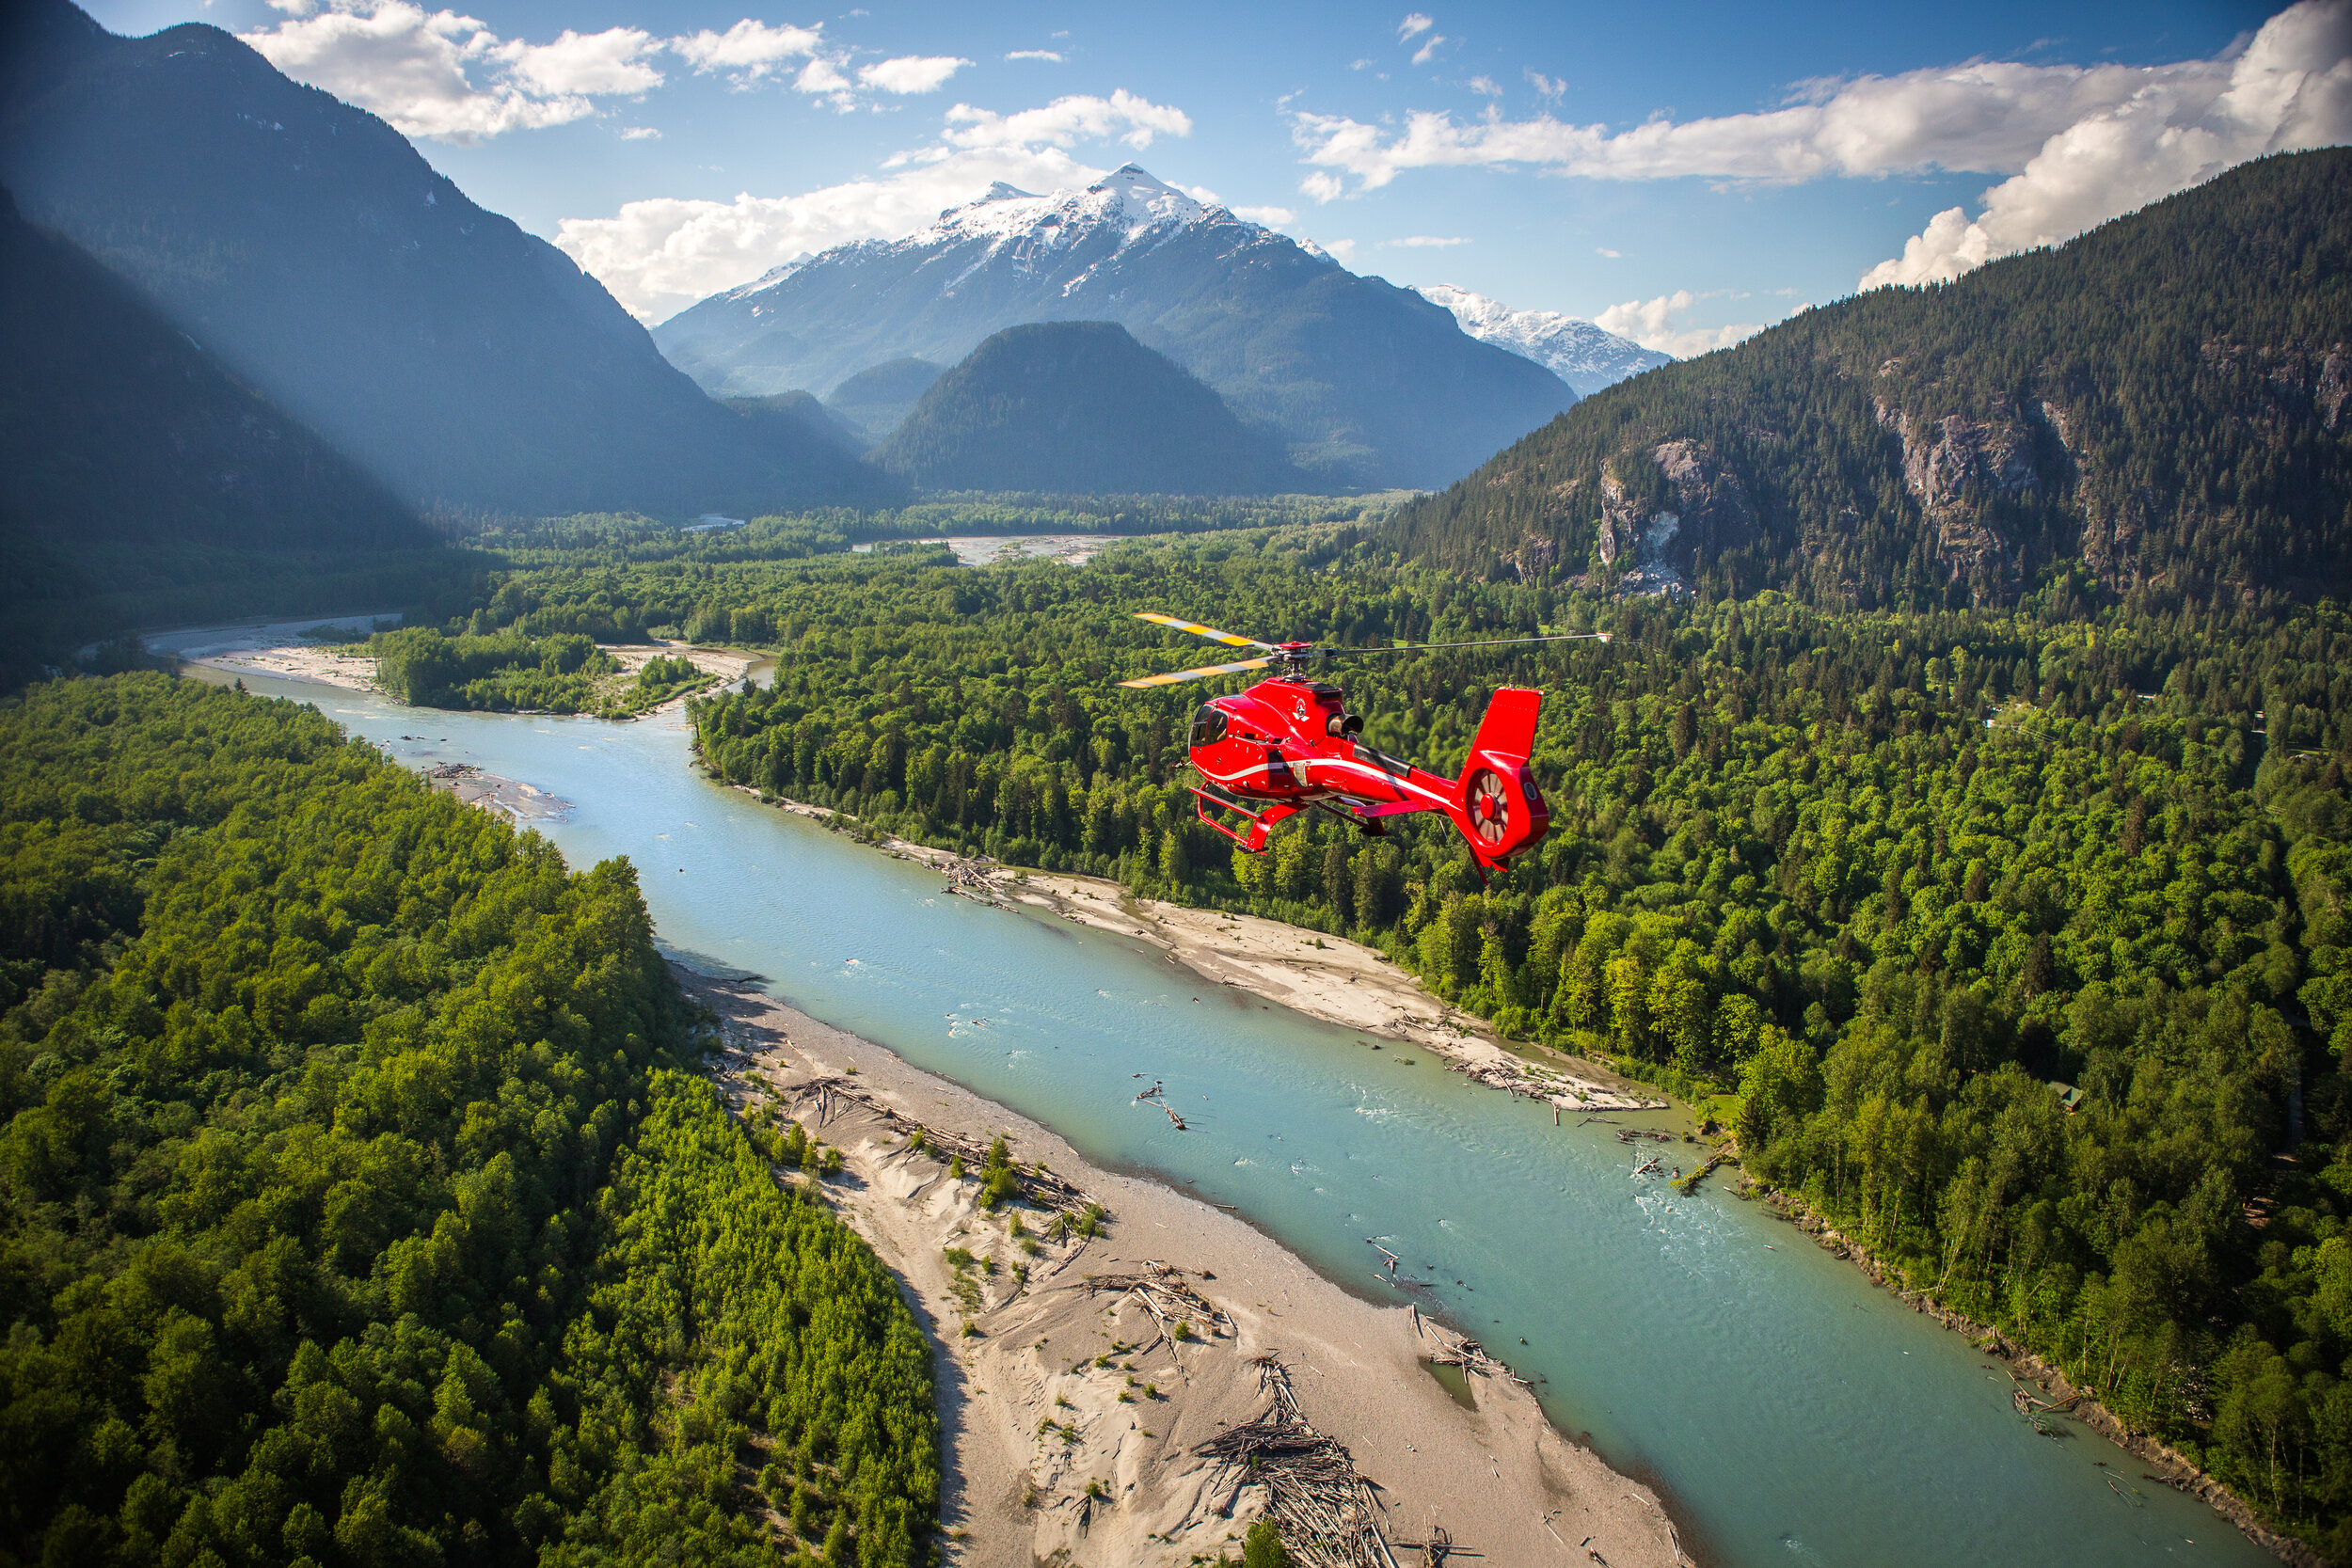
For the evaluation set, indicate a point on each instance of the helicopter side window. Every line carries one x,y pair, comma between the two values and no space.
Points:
1208,726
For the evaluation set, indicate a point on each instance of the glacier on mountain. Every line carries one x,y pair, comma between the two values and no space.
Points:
1581,354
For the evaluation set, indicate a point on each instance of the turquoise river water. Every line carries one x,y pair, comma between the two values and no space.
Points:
1789,1412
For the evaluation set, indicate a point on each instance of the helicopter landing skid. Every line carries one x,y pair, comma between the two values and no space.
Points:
1261,822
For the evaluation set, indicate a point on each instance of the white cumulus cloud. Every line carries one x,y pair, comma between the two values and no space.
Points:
613,61
1121,117
1046,55
1987,116
749,52
1415,24
663,253
1273,218
909,73
1654,323
1320,187
2290,89
445,75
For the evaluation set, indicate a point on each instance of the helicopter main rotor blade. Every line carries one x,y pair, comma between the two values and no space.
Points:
1210,632
1203,672
1494,642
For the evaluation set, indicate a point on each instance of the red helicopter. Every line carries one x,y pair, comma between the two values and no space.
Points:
1288,744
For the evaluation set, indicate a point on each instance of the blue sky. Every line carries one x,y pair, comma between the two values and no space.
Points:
1682,173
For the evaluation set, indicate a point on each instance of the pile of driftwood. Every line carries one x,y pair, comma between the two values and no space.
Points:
1161,1291
1472,1358
1634,1134
969,878
1042,1186
445,770
1326,1513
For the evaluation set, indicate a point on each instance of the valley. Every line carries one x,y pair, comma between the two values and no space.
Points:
756,811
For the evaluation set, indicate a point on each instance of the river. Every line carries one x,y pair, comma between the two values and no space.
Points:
1788,1411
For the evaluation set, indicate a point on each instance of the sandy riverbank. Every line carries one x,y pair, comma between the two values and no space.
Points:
284,651
1331,979
1032,1402
522,803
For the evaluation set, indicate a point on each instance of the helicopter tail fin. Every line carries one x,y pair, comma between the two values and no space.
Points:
1500,810
1509,728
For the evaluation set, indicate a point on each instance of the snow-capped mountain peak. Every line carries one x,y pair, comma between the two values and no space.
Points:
1578,353
1128,200
1126,208
1340,369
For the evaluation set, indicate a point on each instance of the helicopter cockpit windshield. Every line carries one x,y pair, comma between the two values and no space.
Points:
1208,726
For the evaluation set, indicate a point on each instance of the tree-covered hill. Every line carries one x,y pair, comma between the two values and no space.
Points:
879,397
1079,407
2166,400
350,1190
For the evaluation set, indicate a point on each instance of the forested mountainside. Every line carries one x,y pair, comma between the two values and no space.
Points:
116,429
141,482
1367,384
119,434
878,398
350,1185
1079,407
2163,401
797,415
309,247
1890,876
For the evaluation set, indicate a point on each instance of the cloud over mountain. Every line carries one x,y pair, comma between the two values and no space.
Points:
2084,143
448,77
664,252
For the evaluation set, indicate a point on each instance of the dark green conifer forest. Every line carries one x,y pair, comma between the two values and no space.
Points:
359,1210
1886,878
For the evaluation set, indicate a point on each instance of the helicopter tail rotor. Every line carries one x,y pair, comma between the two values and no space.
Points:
1498,807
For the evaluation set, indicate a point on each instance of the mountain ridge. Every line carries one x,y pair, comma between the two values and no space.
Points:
1367,384
311,247
2163,405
